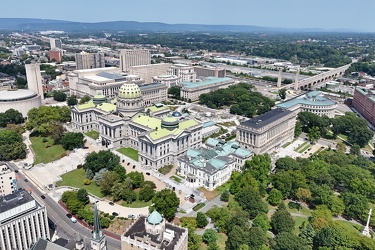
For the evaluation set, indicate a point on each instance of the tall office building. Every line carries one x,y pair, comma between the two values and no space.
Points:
34,78
55,54
136,57
22,221
86,60
55,43
8,180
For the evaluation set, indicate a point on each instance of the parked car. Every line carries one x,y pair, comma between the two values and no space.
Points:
148,173
69,216
74,220
131,216
16,171
115,214
43,196
111,203
26,180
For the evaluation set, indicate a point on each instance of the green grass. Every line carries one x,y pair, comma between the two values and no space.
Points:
75,179
137,204
129,152
350,227
300,146
199,206
93,134
172,108
166,169
303,210
221,239
298,221
175,178
286,144
45,151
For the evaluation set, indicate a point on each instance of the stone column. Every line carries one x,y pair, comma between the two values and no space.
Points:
296,80
279,78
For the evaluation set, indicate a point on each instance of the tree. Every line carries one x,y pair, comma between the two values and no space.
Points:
224,196
262,221
137,179
282,94
281,220
83,196
72,100
356,205
11,116
314,134
59,96
175,92
220,216
251,201
102,159
337,206
120,170
107,180
286,163
288,241
201,220
11,145
72,140
146,193
275,197
84,99
236,237
303,194
307,234
209,236
340,146
166,203
287,182
355,149
297,129
257,237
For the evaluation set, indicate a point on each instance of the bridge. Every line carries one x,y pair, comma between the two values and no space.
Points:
309,82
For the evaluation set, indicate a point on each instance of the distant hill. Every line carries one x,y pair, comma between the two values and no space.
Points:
18,24
33,24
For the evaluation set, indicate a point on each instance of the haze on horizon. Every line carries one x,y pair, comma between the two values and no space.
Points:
324,14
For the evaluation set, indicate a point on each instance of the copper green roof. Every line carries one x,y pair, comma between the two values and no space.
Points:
86,105
154,218
108,107
129,90
99,96
155,109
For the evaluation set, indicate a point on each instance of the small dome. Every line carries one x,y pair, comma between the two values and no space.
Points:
169,122
176,114
154,218
129,90
99,99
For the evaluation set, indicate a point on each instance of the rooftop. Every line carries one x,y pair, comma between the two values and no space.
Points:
154,218
313,98
267,118
152,85
16,95
155,108
155,124
209,80
365,91
138,229
107,107
43,244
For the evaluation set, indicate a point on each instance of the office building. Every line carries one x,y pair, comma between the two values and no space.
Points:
134,57
55,55
267,132
206,71
154,233
192,90
364,103
185,72
86,60
168,80
34,79
313,102
55,43
211,167
22,221
147,72
8,179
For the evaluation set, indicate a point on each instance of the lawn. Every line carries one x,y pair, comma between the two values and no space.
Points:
210,195
228,124
221,239
93,134
137,204
298,222
175,178
45,151
129,152
75,179
304,149
199,206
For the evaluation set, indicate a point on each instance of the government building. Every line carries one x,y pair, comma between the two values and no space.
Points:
211,167
313,102
267,132
364,103
22,221
154,233
158,135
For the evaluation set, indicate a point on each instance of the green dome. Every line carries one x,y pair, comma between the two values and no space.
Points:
129,90
99,96
169,122
99,99
154,218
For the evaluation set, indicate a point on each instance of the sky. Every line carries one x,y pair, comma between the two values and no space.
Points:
326,14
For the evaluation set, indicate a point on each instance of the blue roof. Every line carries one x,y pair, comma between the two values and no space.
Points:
208,81
111,76
154,218
313,98
152,85
208,124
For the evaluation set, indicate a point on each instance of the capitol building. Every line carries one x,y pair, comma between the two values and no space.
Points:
159,135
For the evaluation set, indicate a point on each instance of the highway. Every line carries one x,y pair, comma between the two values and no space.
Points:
65,227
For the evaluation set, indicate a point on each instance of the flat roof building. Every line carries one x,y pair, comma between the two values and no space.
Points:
8,180
134,57
364,103
267,132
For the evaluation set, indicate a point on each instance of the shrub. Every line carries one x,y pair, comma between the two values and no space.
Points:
79,166
44,140
86,181
111,217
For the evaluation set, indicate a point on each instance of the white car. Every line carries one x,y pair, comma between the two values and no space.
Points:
74,220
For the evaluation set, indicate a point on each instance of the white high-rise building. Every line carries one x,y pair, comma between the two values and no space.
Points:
86,60
134,57
185,72
22,221
55,43
8,180
34,78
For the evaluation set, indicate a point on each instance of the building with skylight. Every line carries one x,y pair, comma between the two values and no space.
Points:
212,166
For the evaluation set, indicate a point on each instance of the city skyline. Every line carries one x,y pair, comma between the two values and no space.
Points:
291,14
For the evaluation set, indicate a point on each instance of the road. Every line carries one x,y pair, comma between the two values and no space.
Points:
65,227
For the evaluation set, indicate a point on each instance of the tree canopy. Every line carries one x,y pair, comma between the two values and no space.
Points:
166,203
